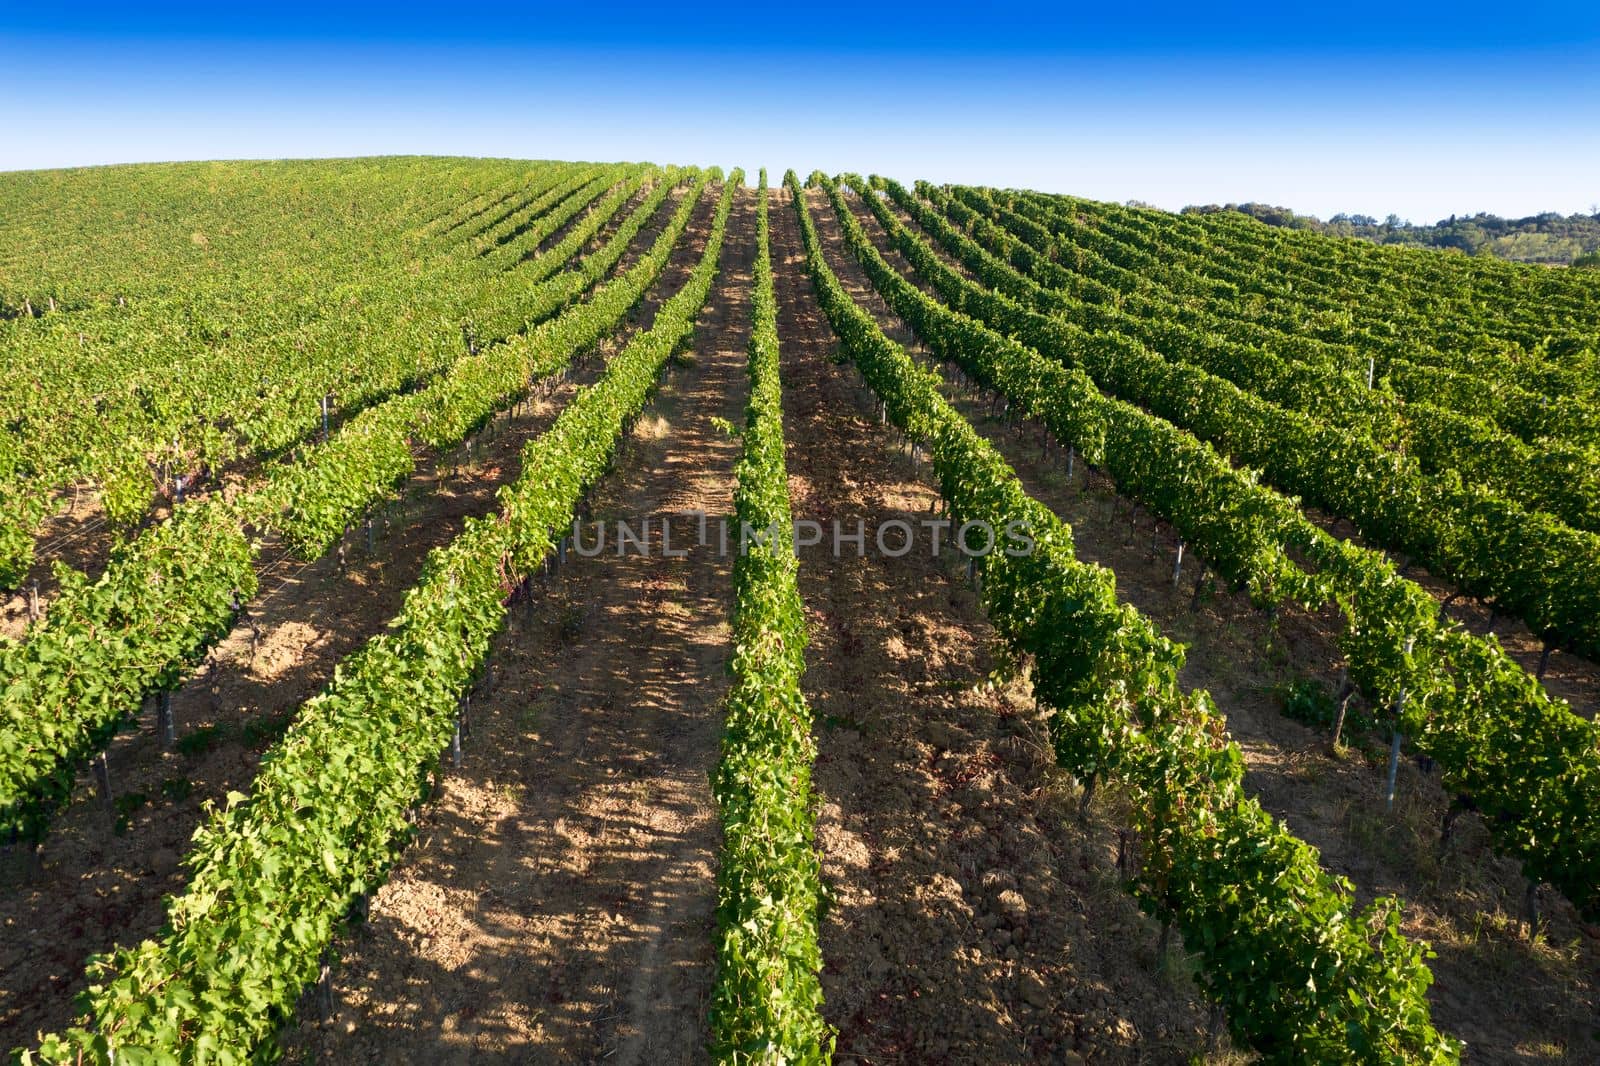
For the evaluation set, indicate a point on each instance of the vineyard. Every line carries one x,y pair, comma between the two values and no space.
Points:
464,610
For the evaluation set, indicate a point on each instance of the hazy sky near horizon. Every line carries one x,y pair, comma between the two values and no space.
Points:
1423,110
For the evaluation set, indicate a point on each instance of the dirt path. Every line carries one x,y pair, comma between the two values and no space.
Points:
972,919
103,873
1512,1001
559,907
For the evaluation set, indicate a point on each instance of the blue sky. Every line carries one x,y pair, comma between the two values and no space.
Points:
1421,110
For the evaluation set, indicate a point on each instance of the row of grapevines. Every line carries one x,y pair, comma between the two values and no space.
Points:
269,395
1530,394
470,302
494,306
64,703
1251,301
192,396
1531,564
499,370
108,239
1520,303
1545,389
1530,765
495,318
272,875
164,598
511,226
465,211
313,503
498,253
1303,975
144,367
766,1004
1397,294
1558,477
1546,399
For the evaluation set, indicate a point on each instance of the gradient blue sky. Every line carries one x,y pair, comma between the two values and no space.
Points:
1423,109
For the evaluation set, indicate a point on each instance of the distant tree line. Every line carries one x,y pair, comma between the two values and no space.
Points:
1544,238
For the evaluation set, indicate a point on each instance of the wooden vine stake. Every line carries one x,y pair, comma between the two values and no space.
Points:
325,984
255,633
102,778
166,728
1346,692
1530,909
213,669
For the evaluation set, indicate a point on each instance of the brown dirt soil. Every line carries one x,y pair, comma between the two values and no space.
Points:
102,874
973,919
1511,1000
559,906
